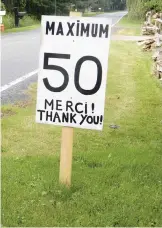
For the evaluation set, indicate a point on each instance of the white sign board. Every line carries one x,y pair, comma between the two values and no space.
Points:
73,71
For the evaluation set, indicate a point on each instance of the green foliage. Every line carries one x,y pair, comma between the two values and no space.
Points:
62,7
22,4
28,21
138,8
22,29
11,3
8,21
129,27
2,6
47,7
153,4
117,4
103,4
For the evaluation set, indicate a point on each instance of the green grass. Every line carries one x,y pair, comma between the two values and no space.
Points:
116,178
91,14
129,27
21,29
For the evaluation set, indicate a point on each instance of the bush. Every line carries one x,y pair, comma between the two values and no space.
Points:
138,8
8,21
2,6
153,4
40,7
28,20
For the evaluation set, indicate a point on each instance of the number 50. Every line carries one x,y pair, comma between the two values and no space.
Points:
48,66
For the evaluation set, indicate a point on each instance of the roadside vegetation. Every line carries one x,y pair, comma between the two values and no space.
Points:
22,29
35,9
131,24
116,178
138,8
91,14
26,22
128,26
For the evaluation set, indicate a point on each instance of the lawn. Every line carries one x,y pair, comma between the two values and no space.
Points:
26,23
91,14
117,176
22,29
129,27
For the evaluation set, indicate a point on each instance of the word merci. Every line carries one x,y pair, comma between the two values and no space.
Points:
77,29
57,112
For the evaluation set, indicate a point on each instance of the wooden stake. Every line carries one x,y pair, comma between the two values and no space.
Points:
67,146
66,156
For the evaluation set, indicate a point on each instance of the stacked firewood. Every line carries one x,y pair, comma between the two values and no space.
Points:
147,44
150,27
153,26
152,43
157,57
149,30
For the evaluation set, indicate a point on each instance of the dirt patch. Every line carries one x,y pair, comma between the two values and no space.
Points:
23,104
116,29
127,30
7,112
130,38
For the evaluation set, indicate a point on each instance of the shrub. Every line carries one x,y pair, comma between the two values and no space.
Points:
138,8
153,4
2,6
8,21
28,20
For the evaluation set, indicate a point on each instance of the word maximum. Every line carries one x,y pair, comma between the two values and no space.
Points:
77,29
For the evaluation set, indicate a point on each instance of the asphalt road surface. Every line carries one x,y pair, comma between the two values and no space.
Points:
19,60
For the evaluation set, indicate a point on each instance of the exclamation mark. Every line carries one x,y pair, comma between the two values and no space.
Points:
93,107
101,119
86,108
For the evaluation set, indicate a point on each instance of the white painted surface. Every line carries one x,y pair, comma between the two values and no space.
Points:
77,47
2,13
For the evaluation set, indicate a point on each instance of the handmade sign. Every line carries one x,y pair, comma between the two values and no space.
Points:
73,71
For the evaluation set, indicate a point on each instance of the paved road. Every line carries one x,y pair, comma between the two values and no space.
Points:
20,53
114,16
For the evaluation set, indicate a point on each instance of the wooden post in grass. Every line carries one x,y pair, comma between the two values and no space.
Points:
67,146
66,156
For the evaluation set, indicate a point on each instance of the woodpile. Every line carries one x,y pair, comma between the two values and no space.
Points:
157,57
149,30
153,26
147,45
151,43
150,27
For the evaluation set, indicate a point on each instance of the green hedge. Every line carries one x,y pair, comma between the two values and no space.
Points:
138,8
8,21
2,6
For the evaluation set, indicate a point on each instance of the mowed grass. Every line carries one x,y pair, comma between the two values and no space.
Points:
129,27
117,175
22,29
91,14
